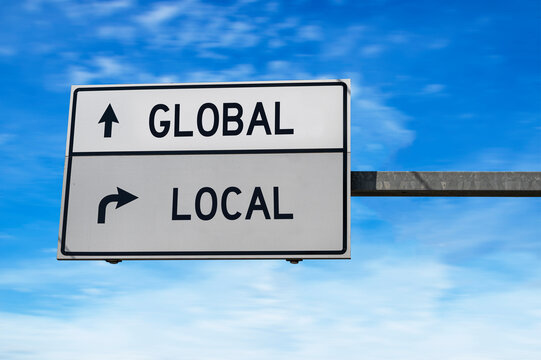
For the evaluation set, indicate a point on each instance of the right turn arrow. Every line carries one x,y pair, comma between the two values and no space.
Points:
122,197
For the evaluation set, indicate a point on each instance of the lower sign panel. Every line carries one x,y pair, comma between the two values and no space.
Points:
206,206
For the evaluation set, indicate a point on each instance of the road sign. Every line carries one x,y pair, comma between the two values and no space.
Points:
196,171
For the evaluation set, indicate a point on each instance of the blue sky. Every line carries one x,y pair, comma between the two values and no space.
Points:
435,86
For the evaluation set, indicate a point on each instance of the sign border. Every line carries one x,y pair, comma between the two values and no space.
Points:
98,255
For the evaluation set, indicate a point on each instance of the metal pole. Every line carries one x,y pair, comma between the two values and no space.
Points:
445,183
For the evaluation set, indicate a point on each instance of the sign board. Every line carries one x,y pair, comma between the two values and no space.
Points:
207,171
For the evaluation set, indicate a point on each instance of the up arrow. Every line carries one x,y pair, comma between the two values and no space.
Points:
122,197
108,118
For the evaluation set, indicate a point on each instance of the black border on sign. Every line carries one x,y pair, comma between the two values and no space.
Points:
202,254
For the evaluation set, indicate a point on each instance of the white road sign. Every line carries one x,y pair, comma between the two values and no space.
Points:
228,170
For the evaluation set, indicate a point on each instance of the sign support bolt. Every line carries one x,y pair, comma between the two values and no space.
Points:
294,261
114,261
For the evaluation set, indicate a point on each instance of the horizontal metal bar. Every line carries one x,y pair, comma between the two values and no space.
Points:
445,183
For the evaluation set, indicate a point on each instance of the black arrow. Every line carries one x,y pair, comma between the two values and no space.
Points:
122,198
108,118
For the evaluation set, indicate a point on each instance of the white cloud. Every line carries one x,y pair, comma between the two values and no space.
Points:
35,5
272,6
387,308
399,37
83,9
467,116
7,51
4,138
524,158
433,89
438,44
279,66
233,34
30,159
237,73
111,6
347,43
379,129
310,33
188,24
122,33
161,13
466,229
372,50
113,69
99,68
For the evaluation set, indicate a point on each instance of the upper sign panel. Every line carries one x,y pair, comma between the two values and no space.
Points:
209,117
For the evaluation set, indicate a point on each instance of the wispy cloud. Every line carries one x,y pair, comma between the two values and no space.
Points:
99,68
372,50
438,44
161,13
112,69
379,129
4,138
7,51
462,230
124,33
236,73
310,33
246,309
29,159
431,89
347,43
188,23
526,157
78,9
